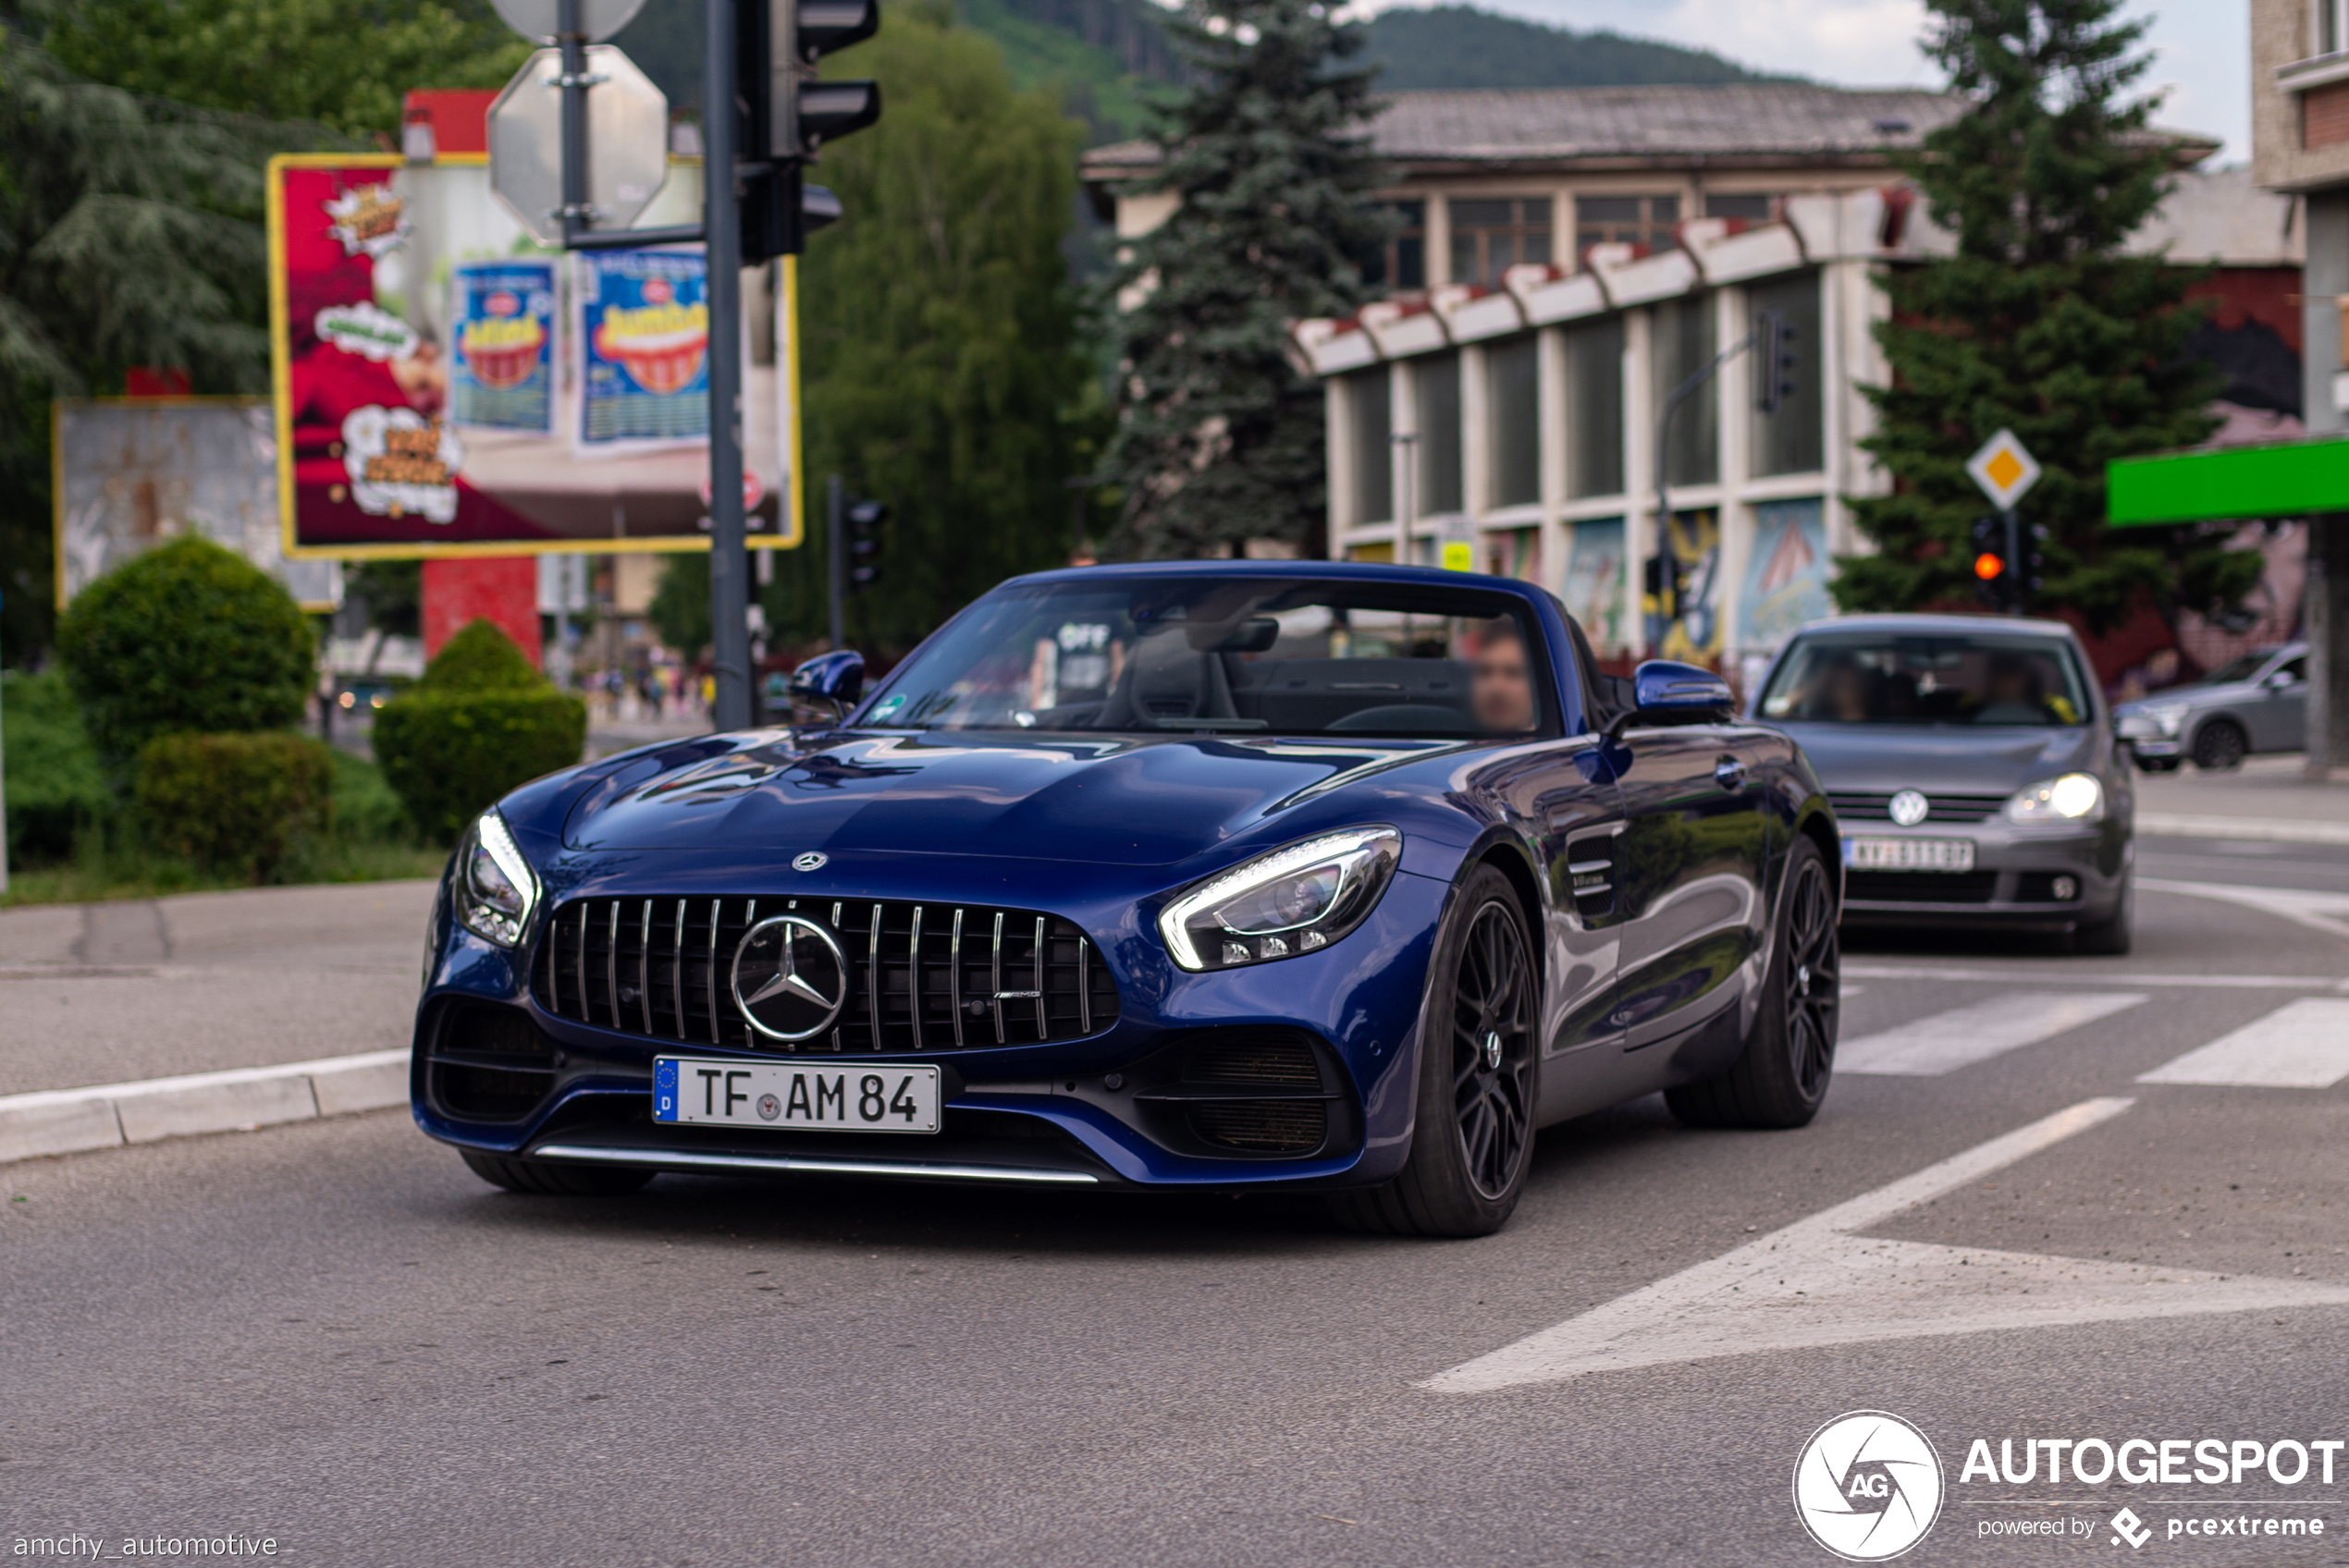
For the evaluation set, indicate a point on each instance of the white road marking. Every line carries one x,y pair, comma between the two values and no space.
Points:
2044,975
1944,1042
1815,1283
2302,1044
2319,911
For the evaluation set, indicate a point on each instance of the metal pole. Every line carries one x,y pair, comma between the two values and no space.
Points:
2015,587
1665,553
836,522
3,789
728,561
570,39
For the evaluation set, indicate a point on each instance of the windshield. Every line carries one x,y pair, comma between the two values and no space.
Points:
1888,678
1237,655
2243,667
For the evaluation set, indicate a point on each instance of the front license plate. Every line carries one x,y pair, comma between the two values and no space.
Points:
797,1095
1909,854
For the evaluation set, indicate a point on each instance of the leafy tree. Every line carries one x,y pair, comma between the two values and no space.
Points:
1221,432
942,364
130,234
341,62
2038,323
680,610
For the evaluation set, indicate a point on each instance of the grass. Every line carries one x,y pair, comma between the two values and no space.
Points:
370,841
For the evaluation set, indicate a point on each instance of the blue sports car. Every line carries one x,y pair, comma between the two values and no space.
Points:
1263,874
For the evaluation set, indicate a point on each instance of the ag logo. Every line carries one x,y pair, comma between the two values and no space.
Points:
1868,1486
789,977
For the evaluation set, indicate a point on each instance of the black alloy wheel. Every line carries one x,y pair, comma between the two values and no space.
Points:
1781,1078
1492,1048
2218,746
1479,1072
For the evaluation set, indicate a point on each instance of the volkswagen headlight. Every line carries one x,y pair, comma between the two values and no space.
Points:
1293,901
2058,803
2167,717
495,889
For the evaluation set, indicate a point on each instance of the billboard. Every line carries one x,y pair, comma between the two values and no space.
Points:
446,386
129,472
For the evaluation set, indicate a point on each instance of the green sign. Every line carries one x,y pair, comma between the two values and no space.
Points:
2288,479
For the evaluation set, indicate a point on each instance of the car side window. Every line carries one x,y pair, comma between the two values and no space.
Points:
2295,670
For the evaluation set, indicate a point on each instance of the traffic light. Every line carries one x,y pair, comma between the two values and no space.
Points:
1664,581
865,520
1776,361
789,113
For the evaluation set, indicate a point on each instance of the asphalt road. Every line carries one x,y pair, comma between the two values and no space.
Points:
331,1335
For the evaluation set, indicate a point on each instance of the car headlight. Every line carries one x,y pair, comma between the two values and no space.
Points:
2167,717
1293,901
494,887
2076,797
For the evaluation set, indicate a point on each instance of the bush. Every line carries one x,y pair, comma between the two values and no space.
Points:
187,639
480,722
235,803
480,658
55,789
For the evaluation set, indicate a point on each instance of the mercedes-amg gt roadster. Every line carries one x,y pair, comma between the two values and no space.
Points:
1217,875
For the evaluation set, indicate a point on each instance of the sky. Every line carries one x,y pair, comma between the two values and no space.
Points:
2202,47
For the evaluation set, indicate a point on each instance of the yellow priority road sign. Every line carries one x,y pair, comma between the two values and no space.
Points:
2005,469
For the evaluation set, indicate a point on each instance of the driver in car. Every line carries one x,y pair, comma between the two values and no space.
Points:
1501,683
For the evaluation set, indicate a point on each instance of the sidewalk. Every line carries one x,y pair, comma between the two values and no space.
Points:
2267,797
119,992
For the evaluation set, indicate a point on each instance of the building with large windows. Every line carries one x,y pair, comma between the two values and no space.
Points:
1565,259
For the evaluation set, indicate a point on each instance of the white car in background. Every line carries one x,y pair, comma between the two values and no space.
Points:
2255,703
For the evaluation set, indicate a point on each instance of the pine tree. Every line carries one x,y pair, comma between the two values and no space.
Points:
129,234
2038,323
1220,433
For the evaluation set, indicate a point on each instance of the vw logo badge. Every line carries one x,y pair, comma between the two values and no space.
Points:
789,977
1909,808
812,860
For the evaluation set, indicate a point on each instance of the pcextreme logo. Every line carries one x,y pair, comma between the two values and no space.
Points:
1867,1485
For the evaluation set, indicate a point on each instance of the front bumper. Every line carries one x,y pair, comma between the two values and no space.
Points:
2019,877
1120,1107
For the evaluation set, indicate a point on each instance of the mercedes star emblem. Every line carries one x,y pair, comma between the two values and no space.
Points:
1909,807
789,977
812,860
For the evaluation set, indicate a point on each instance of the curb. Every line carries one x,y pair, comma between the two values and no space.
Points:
108,1115
2179,825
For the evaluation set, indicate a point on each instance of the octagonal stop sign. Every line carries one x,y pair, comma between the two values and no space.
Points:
627,143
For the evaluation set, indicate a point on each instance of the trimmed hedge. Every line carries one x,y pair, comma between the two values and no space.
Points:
55,788
481,722
235,803
187,639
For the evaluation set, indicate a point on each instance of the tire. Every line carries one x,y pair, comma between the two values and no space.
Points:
2218,746
1781,1078
1478,1066
544,1176
2108,938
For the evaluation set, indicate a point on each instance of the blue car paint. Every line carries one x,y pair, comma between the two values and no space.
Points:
1096,831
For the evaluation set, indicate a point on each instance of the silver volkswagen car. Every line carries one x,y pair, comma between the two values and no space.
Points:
2256,702
1973,766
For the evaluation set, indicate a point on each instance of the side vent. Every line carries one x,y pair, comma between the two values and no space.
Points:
1590,872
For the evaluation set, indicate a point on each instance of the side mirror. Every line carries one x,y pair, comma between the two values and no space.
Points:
1666,692
836,679
2280,681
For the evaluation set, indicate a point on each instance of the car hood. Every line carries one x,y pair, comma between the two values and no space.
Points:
1952,759
1132,802
2196,697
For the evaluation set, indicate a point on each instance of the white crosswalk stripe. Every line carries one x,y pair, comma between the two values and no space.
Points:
1927,1047
2304,1045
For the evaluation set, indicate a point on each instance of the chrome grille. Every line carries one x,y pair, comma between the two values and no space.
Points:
1860,807
922,977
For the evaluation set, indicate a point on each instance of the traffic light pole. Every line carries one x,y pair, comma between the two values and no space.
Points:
837,520
2015,587
721,223
1670,577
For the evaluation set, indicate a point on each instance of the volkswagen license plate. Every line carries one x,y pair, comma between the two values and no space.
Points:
809,1096
1909,854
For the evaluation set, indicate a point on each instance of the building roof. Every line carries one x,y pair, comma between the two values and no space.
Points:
1758,122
